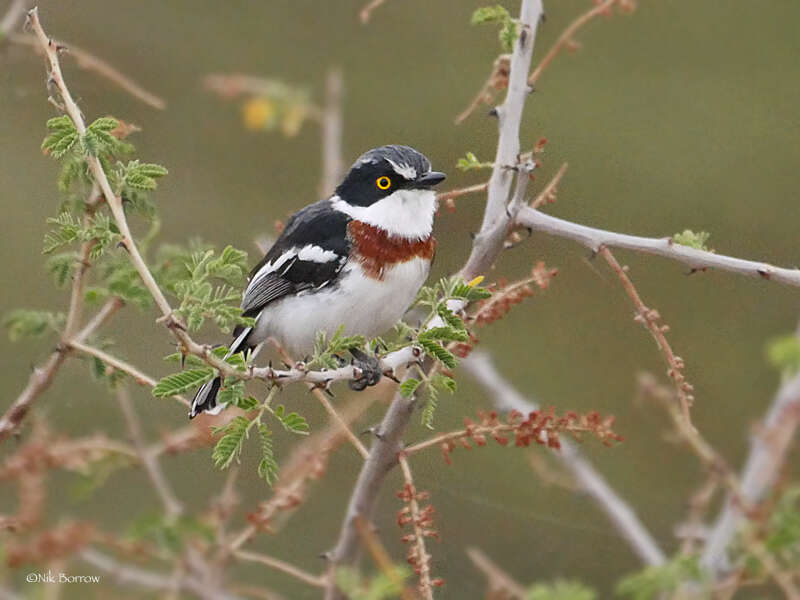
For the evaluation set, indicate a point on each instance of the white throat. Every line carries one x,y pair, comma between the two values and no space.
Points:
404,213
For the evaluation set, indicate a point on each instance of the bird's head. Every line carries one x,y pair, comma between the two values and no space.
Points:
385,171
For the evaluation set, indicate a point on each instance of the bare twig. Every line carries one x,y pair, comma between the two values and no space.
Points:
366,12
498,579
89,62
698,260
42,377
172,506
565,39
381,557
351,437
497,80
452,194
13,17
332,161
126,575
112,361
649,318
282,566
488,244
769,448
620,513
549,191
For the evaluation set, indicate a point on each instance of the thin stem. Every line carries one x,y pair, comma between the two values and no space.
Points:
172,506
42,377
499,580
566,37
282,566
351,437
89,62
650,320
331,125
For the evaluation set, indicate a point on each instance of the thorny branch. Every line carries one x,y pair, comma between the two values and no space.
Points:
698,260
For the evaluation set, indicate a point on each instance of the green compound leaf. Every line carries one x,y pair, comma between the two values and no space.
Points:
178,383
292,422
229,447
409,386
268,466
439,353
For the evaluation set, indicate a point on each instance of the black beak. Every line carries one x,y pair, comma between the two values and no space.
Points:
430,179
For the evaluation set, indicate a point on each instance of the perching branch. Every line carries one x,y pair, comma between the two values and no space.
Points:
487,246
506,398
698,260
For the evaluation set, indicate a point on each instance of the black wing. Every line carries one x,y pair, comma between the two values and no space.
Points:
309,253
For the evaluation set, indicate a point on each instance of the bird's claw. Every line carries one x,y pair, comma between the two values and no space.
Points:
370,368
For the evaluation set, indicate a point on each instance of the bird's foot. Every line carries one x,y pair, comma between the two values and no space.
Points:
370,368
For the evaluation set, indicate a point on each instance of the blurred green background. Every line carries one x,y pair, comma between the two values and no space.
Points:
684,114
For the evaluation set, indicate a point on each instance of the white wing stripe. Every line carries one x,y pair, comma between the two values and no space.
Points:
316,254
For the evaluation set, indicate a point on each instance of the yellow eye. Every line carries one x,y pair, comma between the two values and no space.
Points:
383,183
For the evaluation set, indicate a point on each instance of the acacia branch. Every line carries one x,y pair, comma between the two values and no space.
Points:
565,39
769,447
89,62
282,566
331,125
124,575
487,246
13,17
497,579
698,260
172,506
42,377
506,398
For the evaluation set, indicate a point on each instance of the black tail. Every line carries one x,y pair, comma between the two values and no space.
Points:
205,400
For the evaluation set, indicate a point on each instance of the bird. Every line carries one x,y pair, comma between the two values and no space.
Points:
353,262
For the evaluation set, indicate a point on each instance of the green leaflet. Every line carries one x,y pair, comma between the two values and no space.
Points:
178,383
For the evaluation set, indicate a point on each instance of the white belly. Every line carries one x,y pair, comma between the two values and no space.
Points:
363,305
